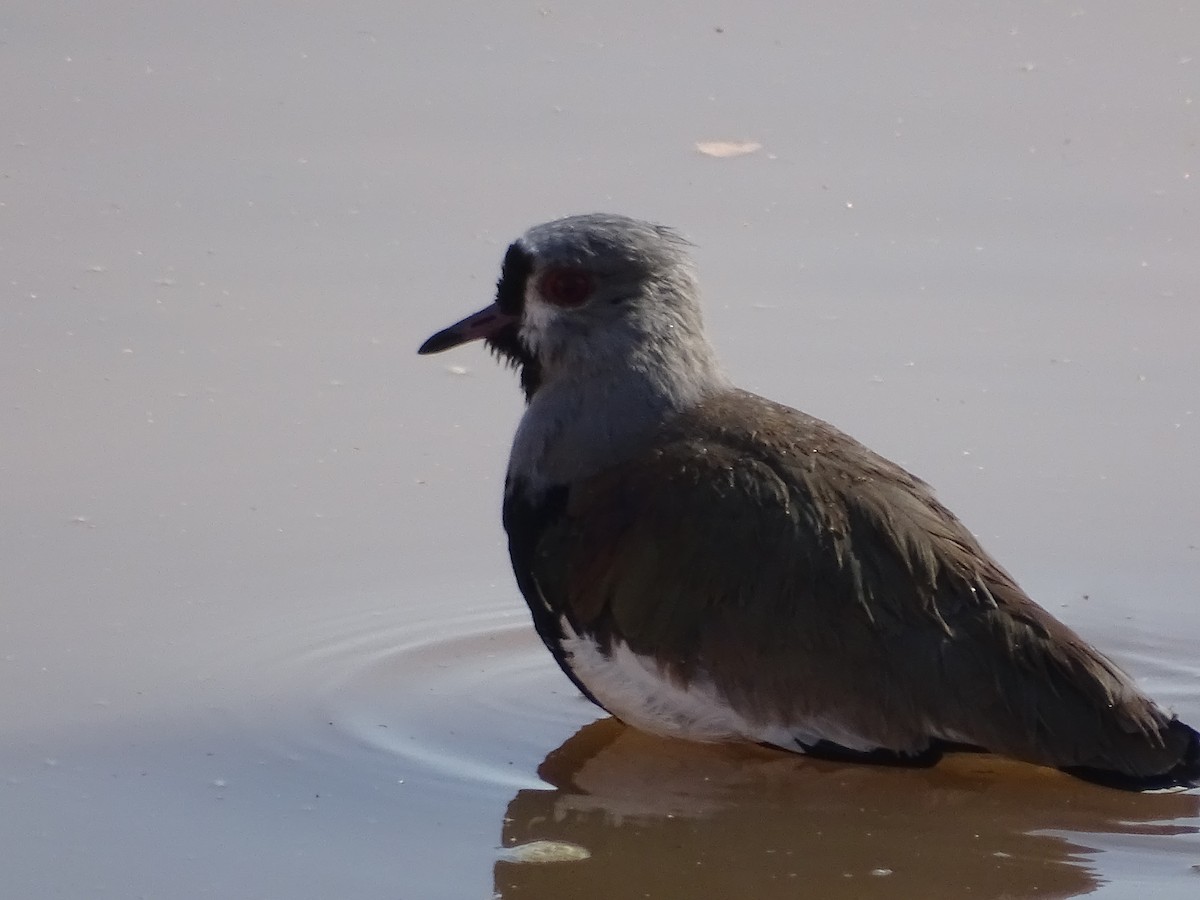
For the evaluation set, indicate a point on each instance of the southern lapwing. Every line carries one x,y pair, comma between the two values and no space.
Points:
708,564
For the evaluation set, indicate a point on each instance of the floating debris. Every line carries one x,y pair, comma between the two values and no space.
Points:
545,852
726,149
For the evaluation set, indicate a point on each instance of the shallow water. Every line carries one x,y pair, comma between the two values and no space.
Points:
258,636
411,750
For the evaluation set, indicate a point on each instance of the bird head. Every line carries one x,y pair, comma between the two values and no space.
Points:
590,296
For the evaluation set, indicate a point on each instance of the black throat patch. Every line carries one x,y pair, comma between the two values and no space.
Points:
510,297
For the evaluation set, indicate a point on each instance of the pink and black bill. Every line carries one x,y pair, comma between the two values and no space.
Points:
483,324
498,325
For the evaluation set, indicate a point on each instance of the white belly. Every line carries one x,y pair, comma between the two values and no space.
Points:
635,690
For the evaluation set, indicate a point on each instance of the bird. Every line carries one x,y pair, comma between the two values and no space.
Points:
708,564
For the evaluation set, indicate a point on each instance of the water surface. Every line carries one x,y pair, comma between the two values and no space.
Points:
258,636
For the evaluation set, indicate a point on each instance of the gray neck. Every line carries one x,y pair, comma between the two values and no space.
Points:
580,422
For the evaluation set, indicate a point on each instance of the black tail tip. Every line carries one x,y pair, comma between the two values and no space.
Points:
1188,770
1184,774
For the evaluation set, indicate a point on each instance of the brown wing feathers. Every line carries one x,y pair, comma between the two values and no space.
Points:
814,578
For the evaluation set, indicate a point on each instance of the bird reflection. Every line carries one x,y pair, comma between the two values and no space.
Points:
671,819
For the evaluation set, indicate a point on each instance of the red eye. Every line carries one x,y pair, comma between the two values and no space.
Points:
565,287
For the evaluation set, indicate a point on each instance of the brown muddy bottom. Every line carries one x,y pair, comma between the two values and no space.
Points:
494,761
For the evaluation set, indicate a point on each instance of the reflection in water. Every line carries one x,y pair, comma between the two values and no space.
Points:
461,708
670,819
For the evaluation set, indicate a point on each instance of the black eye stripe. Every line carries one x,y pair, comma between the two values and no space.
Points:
514,274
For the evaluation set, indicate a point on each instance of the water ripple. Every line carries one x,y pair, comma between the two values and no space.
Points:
462,696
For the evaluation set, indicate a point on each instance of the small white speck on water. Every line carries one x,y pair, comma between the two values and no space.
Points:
458,370
545,852
219,783
880,873
727,149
